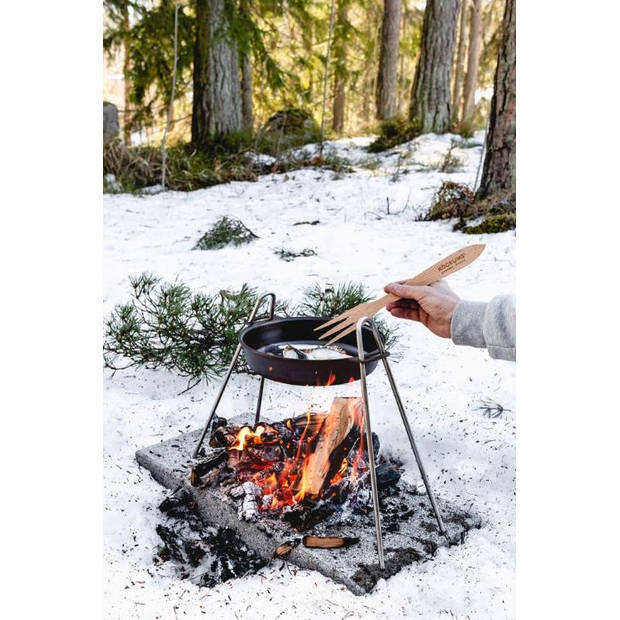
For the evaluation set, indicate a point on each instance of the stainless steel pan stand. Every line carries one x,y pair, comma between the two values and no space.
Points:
369,446
371,460
231,368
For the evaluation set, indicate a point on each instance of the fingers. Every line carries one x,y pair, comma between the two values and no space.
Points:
405,313
403,303
407,291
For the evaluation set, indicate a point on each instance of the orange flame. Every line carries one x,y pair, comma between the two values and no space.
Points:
287,484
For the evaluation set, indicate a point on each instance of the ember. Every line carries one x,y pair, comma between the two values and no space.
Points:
296,468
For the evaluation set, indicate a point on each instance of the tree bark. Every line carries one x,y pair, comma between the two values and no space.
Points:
430,107
340,72
247,110
126,82
216,108
473,57
457,92
387,102
498,172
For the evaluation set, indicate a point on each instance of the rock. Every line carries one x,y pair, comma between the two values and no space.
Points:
111,127
292,121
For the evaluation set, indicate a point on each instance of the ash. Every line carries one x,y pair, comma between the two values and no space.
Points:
204,554
347,499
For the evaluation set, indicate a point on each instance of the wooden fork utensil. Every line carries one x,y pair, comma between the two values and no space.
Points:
345,323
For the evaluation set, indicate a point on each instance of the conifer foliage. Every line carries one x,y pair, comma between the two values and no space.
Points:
193,334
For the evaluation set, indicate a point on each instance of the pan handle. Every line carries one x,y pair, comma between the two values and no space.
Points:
373,357
257,305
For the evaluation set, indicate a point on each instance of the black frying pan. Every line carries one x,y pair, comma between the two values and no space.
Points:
260,337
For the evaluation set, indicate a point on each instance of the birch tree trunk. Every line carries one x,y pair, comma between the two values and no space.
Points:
340,72
457,91
216,108
473,57
430,107
498,172
387,101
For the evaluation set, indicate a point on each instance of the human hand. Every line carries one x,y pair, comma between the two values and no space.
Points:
432,305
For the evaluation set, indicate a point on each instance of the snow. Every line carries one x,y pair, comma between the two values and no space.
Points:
470,458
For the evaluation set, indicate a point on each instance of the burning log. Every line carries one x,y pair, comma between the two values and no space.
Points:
329,542
307,425
330,449
305,515
206,466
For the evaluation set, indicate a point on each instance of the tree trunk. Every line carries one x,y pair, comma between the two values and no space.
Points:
126,82
387,102
430,107
340,72
247,110
216,108
498,172
471,80
460,58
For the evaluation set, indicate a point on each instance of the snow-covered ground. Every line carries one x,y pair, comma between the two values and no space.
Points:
470,458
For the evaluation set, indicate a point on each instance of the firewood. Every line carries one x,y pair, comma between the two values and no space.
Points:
342,417
205,466
285,548
329,542
313,422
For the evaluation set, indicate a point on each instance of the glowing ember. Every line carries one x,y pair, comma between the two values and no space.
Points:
306,458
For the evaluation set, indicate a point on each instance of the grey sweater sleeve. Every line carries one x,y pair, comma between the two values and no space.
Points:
491,325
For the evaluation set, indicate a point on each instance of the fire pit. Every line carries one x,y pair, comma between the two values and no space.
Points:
300,469
296,486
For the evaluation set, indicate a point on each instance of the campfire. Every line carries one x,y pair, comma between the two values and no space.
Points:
300,469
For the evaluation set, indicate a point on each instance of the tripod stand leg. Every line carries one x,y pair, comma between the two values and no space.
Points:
259,402
235,357
403,415
217,400
371,453
414,448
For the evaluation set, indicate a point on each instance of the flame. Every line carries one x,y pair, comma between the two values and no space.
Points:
331,379
284,481
245,435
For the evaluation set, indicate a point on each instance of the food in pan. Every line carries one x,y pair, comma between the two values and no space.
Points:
307,351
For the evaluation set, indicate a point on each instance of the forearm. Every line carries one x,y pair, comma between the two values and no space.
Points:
491,325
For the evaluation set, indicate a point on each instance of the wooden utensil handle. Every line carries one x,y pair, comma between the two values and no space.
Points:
455,261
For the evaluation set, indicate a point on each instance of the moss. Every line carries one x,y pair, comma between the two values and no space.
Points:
455,200
393,133
493,224
287,129
452,200
225,231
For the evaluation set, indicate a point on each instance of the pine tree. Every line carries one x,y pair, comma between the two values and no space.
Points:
498,172
216,106
387,101
430,108
459,74
473,57
341,30
247,109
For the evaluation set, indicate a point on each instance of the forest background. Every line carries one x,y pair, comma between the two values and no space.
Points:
220,79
